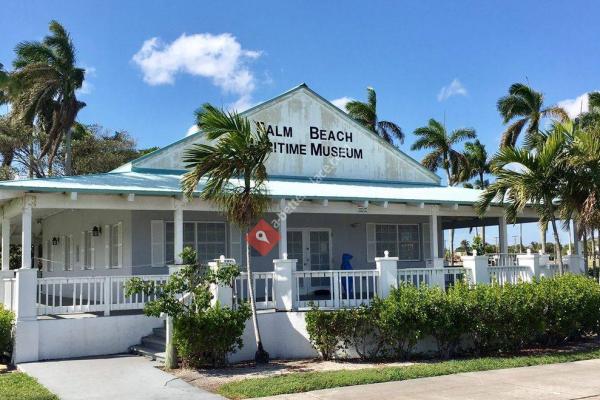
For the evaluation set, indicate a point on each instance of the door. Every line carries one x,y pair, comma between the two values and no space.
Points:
312,248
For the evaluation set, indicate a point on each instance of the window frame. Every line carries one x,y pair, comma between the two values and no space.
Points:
398,242
171,244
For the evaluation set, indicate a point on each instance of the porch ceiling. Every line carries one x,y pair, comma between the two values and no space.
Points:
471,222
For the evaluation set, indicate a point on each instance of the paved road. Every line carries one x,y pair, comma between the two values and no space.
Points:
578,380
113,378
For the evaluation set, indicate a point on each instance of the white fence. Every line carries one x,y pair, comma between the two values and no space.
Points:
502,260
90,294
434,276
509,275
332,289
264,289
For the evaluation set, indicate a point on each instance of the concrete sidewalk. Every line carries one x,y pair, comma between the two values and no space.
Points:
569,381
112,378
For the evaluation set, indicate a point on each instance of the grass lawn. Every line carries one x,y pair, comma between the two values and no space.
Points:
20,386
303,382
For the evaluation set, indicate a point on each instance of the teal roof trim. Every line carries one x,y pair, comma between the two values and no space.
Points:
153,184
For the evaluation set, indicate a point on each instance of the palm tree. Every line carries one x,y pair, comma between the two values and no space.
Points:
528,178
47,79
366,114
479,166
524,107
235,173
435,138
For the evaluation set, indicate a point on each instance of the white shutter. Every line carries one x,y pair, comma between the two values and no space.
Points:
107,234
45,254
71,253
93,240
235,243
157,243
63,251
371,243
426,241
82,251
120,244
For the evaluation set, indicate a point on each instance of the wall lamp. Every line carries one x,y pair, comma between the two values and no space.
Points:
96,231
55,241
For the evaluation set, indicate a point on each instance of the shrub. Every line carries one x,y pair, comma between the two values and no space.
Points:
447,317
7,319
403,319
493,318
205,338
326,330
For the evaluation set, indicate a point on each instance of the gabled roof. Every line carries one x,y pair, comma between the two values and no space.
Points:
141,163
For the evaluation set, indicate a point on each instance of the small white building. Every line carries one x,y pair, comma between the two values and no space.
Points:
342,189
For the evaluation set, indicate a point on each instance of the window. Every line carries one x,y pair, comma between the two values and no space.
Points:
88,250
207,238
67,257
401,241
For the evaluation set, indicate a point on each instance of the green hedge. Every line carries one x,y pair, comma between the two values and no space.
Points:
484,319
7,320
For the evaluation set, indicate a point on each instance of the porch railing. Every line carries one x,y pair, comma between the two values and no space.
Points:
264,289
433,276
90,294
332,289
502,260
509,275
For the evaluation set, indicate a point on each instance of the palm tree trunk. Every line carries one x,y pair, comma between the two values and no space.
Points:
594,266
559,247
452,229
259,357
483,236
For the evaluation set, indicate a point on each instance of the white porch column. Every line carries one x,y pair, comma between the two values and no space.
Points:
282,230
178,233
283,283
388,273
5,244
26,237
222,294
26,346
503,235
577,247
433,223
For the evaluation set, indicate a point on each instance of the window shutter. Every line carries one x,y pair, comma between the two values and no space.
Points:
157,240
235,243
71,252
120,244
82,251
371,243
107,234
63,252
426,241
93,251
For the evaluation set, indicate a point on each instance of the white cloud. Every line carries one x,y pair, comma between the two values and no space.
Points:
455,88
87,87
219,58
341,102
191,130
576,106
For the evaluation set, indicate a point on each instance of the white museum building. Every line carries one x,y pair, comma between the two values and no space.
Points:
342,189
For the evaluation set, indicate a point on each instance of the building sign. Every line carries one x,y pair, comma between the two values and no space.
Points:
322,142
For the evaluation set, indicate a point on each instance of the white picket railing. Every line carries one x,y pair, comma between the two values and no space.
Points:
433,276
264,289
502,260
120,301
9,294
90,294
509,275
333,289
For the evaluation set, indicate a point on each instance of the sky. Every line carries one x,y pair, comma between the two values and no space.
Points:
150,64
